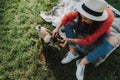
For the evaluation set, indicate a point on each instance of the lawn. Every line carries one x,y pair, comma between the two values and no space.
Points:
20,47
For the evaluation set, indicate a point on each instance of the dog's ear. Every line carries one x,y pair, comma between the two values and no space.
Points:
38,27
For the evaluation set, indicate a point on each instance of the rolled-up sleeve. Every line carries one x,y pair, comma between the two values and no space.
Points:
69,18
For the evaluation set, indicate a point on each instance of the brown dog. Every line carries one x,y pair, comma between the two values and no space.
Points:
46,36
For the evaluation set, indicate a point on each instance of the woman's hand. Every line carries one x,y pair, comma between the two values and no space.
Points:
64,42
55,32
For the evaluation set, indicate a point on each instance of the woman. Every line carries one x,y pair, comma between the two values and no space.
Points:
94,19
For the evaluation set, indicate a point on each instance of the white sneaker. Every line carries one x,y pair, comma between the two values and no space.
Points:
69,57
80,70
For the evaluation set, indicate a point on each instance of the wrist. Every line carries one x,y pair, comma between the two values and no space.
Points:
68,39
57,28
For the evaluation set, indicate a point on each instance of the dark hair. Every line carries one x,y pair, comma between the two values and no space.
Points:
91,28
79,20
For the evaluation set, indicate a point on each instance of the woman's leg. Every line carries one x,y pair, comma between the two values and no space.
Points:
69,31
108,44
72,53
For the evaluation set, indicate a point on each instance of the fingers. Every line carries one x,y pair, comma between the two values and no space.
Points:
64,44
55,33
61,40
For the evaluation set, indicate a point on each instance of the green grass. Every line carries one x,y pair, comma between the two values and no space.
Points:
20,47
19,53
114,3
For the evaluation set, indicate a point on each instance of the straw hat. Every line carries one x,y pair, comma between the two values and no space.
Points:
93,9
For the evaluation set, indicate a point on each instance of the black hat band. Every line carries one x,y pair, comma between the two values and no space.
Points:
91,11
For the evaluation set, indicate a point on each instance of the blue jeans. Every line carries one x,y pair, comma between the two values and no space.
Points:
72,31
98,49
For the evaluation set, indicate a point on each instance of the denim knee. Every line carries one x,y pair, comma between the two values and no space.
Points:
70,33
99,51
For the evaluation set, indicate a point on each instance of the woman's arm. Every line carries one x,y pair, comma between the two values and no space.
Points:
56,30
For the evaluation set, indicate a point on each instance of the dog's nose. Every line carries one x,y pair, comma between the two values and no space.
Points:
38,27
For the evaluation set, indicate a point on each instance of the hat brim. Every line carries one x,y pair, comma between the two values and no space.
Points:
103,17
